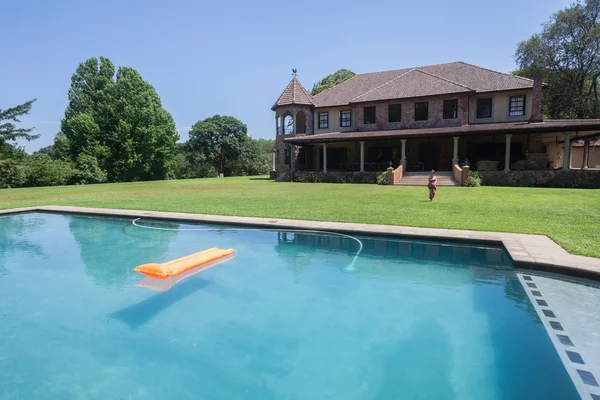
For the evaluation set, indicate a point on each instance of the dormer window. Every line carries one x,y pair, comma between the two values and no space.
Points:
345,119
323,120
484,108
450,110
421,111
370,115
517,106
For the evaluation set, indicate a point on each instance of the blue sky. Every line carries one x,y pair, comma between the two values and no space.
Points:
235,57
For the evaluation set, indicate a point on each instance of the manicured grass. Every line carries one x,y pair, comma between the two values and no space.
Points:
569,216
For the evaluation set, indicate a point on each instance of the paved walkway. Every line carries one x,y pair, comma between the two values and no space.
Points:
527,251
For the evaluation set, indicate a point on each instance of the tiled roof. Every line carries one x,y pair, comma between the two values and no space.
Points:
294,93
548,126
421,81
413,83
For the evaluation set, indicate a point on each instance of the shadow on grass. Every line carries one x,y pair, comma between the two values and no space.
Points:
259,179
141,313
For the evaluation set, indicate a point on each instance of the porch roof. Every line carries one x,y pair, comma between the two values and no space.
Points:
548,126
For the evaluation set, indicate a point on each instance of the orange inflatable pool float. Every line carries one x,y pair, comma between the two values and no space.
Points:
183,264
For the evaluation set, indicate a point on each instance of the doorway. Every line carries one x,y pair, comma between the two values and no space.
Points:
429,155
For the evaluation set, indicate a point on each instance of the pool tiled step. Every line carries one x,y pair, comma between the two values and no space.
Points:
422,178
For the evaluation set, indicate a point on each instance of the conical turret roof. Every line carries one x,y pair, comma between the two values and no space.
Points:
294,94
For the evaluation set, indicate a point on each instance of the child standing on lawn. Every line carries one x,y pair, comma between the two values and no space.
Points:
432,185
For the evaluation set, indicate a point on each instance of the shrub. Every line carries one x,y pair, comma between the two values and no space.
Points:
382,179
330,177
474,179
44,171
365,177
12,174
88,171
526,181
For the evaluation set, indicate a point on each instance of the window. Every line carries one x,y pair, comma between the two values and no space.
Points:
450,109
484,108
394,113
421,111
345,119
288,156
517,106
370,115
323,120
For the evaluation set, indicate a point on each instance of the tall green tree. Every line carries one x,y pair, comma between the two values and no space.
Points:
331,80
9,131
119,120
220,139
566,53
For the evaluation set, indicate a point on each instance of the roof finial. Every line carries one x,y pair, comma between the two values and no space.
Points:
294,71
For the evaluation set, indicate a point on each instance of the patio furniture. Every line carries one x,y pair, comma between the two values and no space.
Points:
485,165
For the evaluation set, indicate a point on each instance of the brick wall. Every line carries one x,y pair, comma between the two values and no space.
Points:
435,117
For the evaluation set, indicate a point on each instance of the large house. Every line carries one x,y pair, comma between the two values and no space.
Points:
432,117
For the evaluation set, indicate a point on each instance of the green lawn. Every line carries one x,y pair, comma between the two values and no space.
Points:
569,216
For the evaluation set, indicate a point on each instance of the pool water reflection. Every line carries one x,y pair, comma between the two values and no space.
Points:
286,318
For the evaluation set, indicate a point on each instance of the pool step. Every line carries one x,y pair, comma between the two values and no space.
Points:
422,178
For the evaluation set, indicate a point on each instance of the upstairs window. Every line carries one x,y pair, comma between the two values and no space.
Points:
370,115
345,119
517,106
484,108
394,113
421,111
450,109
323,120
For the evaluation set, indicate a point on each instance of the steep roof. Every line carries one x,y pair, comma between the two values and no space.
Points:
429,80
294,93
413,83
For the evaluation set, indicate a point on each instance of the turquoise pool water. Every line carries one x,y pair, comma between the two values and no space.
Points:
290,317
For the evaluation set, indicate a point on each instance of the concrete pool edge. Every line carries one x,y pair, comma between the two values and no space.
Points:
535,252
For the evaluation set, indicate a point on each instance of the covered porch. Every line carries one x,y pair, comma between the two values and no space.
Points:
514,147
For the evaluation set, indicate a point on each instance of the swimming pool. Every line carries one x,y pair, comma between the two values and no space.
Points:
295,315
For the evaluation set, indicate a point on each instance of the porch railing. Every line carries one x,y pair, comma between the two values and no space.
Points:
394,175
460,174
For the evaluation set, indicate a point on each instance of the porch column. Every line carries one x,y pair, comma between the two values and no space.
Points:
403,159
567,155
273,157
455,154
324,157
586,154
295,125
362,156
507,153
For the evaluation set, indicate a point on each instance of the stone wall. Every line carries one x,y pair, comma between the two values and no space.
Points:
294,109
435,117
588,179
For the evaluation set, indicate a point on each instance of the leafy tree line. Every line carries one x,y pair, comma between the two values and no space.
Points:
331,80
566,54
116,130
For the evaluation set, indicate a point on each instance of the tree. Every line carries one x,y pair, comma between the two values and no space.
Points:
220,139
251,160
567,55
44,171
9,131
330,81
119,120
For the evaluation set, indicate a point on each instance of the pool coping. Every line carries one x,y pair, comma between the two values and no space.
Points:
537,252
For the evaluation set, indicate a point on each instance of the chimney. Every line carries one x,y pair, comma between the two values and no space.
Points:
536,105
